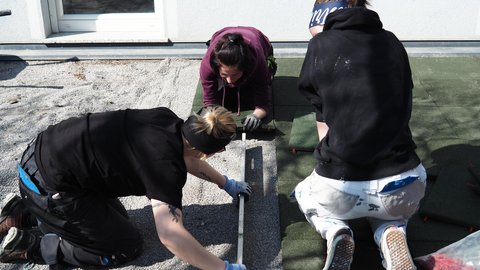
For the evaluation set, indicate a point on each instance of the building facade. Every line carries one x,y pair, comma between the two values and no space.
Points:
80,21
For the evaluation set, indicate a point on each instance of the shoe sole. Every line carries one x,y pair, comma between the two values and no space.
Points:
342,256
11,235
399,255
8,205
8,202
11,239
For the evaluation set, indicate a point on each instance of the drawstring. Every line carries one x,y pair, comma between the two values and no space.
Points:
238,98
223,99
238,101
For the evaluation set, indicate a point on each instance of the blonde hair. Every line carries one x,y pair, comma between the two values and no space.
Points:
351,3
216,121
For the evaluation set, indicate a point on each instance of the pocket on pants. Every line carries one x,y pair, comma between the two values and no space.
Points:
403,202
333,200
325,200
32,199
39,206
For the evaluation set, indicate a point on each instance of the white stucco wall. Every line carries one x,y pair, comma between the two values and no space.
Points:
284,20
14,27
430,19
281,20
287,20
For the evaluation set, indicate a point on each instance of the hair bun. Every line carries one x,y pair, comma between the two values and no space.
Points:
211,118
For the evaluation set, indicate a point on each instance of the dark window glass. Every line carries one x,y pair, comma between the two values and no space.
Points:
107,6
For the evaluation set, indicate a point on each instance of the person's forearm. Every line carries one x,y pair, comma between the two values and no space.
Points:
172,234
209,98
187,248
205,171
209,85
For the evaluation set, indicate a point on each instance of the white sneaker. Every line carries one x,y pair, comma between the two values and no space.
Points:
396,255
340,252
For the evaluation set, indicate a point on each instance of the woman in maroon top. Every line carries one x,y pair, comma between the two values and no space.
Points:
237,72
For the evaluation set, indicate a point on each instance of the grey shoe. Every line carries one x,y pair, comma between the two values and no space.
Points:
10,213
13,213
19,245
340,252
396,255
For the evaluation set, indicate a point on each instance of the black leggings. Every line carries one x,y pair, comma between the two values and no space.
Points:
80,229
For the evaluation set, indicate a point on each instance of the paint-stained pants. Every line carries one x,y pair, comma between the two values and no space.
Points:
328,203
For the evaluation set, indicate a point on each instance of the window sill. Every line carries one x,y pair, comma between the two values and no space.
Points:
106,37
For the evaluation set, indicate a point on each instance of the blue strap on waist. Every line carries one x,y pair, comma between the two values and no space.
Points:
399,183
25,178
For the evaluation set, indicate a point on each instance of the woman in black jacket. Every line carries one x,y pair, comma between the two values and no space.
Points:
358,78
73,172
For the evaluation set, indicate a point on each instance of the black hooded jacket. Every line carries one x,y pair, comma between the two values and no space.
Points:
358,78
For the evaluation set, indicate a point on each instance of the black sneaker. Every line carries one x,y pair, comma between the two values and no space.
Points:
14,214
19,245
340,251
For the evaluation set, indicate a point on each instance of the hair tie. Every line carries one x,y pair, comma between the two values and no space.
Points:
233,38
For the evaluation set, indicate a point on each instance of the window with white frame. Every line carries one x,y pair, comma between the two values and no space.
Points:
122,16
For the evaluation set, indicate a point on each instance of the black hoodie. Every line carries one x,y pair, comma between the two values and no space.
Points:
357,76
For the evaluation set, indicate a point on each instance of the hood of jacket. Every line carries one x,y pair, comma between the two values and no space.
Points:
353,18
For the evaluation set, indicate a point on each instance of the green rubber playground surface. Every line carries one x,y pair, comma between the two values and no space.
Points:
445,124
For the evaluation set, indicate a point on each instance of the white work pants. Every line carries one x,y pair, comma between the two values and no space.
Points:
329,203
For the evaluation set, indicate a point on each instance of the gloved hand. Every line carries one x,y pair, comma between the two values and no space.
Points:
234,266
251,122
235,188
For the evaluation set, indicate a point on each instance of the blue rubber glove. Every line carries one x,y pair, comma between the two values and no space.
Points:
251,122
235,188
234,266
